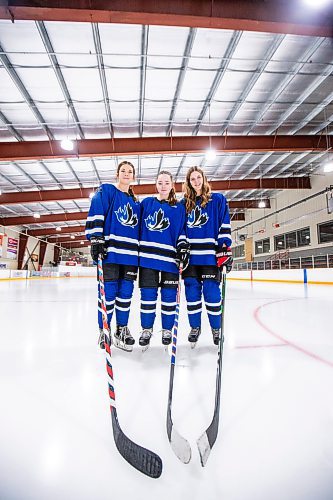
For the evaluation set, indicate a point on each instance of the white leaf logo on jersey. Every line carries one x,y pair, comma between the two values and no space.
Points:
125,216
157,221
196,218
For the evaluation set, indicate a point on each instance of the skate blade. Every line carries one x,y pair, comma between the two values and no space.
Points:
145,348
193,344
124,347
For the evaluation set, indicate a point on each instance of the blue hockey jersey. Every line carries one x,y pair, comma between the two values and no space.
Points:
162,227
116,216
207,229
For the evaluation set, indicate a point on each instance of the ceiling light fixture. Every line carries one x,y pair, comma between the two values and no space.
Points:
72,237
67,144
317,4
36,215
262,204
91,194
328,167
210,153
58,228
82,242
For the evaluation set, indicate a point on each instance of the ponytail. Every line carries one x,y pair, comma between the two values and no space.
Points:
131,193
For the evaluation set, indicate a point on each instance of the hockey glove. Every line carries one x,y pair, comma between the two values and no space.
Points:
98,247
224,258
183,254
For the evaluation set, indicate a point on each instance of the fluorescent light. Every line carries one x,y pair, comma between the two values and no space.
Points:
210,154
328,167
91,194
262,204
316,3
72,237
67,144
36,215
58,228
82,242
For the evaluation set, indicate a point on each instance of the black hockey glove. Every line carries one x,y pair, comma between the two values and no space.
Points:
224,258
98,247
183,254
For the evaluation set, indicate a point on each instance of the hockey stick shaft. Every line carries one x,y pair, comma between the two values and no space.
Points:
142,459
178,443
207,439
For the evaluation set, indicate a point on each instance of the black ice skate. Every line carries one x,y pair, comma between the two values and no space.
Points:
123,338
166,337
194,335
145,337
216,335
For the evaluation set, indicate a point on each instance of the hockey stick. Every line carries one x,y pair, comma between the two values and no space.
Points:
142,459
207,439
180,445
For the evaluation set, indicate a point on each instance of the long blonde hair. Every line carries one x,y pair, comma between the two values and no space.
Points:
190,193
172,200
130,189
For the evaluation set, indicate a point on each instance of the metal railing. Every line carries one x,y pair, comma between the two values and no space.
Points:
312,262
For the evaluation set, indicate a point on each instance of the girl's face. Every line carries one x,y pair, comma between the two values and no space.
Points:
125,175
196,181
163,186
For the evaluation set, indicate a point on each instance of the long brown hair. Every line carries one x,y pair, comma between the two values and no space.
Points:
190,193
172,200
130,189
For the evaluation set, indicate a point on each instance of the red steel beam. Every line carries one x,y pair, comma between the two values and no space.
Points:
43,150
146,189
278,16
48,231
63,217
66,239
60,217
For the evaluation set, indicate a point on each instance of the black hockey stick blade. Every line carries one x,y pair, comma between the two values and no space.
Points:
207,440
142,459
179,444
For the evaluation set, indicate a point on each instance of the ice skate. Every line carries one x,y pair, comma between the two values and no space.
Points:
101,339
166,337
123,338
216,335
145,337
193,336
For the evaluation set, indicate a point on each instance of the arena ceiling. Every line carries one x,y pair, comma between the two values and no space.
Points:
159,85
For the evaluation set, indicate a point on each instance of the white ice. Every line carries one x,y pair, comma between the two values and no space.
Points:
275,439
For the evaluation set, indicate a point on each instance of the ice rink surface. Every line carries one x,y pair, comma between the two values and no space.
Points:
275,439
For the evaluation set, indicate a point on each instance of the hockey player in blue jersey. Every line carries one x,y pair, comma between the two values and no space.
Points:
163,245
209,235
113,230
